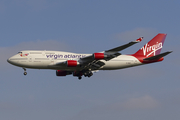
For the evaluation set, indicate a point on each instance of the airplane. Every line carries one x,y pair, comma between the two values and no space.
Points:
67,63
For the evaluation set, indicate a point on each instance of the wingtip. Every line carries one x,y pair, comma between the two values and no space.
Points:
139,39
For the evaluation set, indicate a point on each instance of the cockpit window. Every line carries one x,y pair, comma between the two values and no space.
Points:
20,52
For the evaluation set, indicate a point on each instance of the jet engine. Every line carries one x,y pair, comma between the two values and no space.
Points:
72,63
98,56
62,73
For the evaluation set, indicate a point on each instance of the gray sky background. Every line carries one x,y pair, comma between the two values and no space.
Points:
149,92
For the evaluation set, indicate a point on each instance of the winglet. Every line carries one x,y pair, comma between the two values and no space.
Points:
139,39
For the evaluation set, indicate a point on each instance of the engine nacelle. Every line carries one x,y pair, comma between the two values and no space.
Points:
98,56
61,73
72,63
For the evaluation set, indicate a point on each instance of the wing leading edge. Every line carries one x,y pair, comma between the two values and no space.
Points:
120,48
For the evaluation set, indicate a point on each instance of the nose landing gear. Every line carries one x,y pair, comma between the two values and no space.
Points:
25,73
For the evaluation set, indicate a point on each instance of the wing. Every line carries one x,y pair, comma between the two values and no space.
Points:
93,61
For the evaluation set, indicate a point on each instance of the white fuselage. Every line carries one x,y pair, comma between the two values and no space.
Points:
49,59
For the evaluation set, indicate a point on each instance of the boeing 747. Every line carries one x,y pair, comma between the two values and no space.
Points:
66,63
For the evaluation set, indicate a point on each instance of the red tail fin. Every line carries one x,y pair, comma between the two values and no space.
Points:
153,47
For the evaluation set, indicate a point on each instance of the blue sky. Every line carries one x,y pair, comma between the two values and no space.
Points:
144,92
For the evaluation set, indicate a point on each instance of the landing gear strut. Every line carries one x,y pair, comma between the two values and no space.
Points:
25,73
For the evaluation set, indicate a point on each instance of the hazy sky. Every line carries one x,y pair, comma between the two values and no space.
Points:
150,92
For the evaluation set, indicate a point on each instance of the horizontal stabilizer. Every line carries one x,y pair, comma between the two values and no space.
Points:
157,56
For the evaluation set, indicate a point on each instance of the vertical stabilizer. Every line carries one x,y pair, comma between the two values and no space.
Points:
153,47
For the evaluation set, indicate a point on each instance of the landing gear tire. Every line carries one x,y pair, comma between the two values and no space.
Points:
79,77
25,73
88,74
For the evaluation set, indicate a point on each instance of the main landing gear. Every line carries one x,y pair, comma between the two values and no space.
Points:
86,74
25,73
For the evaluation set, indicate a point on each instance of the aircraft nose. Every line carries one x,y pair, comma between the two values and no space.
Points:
9,60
